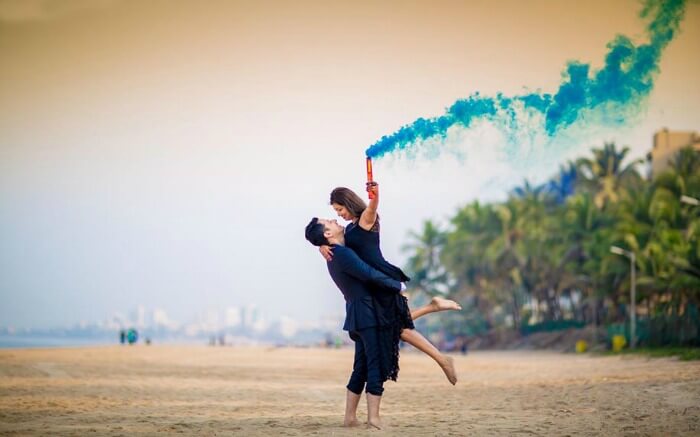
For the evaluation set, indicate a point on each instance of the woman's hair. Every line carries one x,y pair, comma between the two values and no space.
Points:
351,201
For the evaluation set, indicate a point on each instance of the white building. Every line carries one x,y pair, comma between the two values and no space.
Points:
666,145
232,317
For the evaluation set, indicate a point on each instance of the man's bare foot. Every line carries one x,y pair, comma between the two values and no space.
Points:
448,366
442,304
374,423
351,423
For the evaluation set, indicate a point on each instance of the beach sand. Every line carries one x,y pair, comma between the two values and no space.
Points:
143,390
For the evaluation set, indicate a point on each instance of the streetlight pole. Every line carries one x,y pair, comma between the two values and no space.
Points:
633,299
633,291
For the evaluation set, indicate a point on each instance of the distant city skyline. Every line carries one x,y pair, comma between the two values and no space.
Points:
231,325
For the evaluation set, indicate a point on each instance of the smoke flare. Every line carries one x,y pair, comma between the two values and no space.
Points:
609,96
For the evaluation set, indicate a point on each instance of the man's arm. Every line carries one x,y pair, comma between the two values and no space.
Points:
351,264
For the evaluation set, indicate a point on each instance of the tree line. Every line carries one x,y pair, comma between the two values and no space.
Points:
543,258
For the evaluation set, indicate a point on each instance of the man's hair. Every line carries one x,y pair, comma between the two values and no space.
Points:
314,233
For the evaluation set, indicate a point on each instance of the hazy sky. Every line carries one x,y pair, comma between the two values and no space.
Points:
170,153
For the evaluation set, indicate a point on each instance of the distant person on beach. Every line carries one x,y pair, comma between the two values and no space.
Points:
132,336
356,279
362,236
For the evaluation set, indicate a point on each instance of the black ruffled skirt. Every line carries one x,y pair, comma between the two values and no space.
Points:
394,316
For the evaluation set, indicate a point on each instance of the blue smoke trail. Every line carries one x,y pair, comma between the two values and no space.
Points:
615,92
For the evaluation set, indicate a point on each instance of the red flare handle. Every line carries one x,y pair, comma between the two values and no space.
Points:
369,177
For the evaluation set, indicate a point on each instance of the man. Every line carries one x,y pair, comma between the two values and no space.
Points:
353,277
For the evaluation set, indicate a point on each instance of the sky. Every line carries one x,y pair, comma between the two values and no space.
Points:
170,153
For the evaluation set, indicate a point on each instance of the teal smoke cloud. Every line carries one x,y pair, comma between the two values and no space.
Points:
610,96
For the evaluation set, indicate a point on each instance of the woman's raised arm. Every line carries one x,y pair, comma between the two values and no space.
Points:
369,215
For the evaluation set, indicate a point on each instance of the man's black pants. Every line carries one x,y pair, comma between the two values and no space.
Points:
367,365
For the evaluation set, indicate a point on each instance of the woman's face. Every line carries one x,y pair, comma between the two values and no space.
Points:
342,212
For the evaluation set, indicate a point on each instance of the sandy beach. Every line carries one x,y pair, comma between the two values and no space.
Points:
203,390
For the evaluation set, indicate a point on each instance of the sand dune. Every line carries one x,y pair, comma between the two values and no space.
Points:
285,391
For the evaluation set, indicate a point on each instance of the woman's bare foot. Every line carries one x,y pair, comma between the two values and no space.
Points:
448,366
442,304
351,423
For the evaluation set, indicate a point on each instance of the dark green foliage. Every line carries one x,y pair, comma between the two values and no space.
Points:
542,258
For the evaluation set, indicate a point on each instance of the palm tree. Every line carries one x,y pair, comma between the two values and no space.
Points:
686,163
465,256
426,269
530,192
605,174
564,184
682,178
584,226
550,241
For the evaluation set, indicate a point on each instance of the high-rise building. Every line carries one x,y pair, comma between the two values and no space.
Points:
160,318
667,144
233,317
250,316
211,319
138,317
288,326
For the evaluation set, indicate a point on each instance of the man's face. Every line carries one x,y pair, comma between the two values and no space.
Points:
331,228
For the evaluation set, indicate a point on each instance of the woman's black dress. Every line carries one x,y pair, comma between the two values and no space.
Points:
392,309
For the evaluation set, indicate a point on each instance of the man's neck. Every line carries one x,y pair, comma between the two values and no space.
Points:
340,241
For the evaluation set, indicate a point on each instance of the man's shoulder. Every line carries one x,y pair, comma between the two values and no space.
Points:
341,253
341,249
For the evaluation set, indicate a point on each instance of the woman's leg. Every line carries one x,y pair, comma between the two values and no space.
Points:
373,402
435,305
415,339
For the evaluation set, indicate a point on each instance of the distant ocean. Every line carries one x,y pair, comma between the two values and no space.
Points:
39,341
24,341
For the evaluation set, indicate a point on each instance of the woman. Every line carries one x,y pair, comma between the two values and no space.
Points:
362,236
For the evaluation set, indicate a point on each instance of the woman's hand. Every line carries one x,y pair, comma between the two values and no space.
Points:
373,187
326,252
